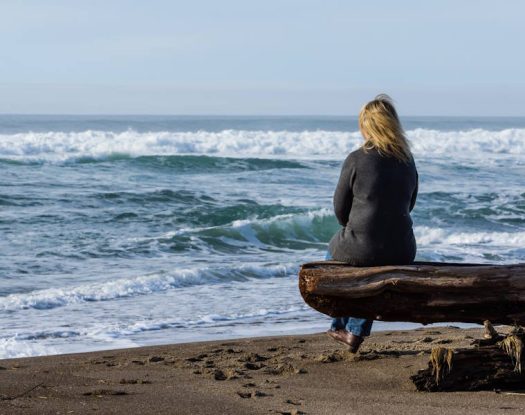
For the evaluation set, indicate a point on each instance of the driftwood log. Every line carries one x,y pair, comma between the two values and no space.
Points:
492,364
424,292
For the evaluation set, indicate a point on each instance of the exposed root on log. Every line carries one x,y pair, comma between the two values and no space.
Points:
492,364
441,361
513,346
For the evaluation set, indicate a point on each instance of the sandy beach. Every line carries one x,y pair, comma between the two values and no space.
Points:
307,374
172,169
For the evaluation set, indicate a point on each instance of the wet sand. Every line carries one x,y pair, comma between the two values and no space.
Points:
308,374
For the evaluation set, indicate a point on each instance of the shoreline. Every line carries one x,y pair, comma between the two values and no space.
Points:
379,326
291,374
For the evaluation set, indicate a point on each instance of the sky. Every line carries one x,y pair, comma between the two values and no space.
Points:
261,57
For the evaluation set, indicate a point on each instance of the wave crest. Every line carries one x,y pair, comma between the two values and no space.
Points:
437,236
81,146
142,285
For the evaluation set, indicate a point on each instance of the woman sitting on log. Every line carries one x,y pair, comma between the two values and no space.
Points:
376,191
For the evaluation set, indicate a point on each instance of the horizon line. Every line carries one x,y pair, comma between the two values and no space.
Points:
94,114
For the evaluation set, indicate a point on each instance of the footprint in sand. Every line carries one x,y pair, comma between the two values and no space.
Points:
272,383
285,368
328,357
253,366
253,357
219,375
229,374
134,382
253,394
105,392
198,358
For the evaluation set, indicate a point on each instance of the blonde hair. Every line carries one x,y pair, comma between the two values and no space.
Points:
382,130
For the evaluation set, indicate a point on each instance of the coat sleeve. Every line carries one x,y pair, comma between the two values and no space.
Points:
414,194
343,195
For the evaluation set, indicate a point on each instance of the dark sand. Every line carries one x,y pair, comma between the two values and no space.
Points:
275,375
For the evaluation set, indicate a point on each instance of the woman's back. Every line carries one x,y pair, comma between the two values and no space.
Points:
376,191
372,202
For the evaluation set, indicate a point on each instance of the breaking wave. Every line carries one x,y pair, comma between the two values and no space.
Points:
431,236
95,145
142,285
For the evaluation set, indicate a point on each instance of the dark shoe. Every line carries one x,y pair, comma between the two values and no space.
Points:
346,338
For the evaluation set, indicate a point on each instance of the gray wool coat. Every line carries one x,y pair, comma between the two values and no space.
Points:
373,200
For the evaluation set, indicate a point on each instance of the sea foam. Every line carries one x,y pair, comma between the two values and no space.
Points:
12,347
431,236
70,146
117,335
141,285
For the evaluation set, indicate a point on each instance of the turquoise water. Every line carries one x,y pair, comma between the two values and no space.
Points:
124,231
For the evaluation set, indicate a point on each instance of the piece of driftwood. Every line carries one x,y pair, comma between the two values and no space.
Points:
493,364
424,292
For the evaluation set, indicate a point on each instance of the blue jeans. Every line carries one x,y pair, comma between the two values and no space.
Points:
358,326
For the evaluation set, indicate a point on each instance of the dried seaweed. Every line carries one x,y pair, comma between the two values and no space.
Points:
513,346
441,361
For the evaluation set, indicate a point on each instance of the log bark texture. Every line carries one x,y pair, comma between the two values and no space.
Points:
424,292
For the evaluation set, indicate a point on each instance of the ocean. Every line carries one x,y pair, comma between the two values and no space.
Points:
122,231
